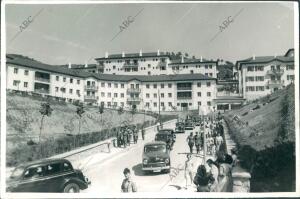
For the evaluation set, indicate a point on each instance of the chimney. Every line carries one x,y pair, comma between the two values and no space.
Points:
106,54
275,55
253,57
158,52
123,54
182,59
70,65
201,59
141,54
85,65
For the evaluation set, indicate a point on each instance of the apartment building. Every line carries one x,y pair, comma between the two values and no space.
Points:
153,93
259,76
154,63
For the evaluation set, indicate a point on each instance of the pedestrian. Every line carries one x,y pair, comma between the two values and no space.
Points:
135,135
188,170
214,170
225,173
234,157
190,140
219,141
203,180
197,139
143,133
128,185
124,138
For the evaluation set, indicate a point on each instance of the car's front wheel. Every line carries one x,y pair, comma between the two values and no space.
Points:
71,188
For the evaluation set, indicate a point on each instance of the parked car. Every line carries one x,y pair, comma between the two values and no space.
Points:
52,175
179,127
156,157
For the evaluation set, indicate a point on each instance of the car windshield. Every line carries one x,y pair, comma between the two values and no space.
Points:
17,172
161,136
155,148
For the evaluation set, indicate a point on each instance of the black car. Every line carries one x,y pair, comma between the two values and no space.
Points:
156,157
179,127
52,175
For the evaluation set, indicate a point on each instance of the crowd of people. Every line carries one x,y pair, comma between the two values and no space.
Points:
127,134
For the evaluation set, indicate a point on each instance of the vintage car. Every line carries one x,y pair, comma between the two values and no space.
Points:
189,125
165,135
156,157
51,175
179,127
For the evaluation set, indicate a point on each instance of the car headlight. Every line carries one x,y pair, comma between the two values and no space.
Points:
145,161
167,160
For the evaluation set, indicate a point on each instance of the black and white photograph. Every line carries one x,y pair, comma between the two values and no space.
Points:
149,99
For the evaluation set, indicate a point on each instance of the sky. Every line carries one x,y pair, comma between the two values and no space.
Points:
79,33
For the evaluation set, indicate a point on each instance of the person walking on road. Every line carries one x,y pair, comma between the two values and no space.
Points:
143,133
188,170
197,139
135,135
190,141
128,185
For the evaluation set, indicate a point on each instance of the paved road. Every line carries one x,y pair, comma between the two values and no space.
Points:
107,177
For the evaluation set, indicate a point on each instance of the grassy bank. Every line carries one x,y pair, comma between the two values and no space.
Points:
264,131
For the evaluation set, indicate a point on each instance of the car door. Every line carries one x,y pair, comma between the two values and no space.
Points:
32,180
54,176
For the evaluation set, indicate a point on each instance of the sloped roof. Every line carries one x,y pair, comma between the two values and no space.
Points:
191,61
31,63
134,55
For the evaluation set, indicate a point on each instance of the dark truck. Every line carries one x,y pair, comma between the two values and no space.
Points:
179,127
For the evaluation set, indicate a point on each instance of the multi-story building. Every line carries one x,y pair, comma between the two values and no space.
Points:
259,76
154,63
154,93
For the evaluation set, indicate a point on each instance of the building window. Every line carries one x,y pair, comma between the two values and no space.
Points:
206,66
57,78
102,84
259,78
102,94
199,103
290,67
170,104
259,68
64,79
155,95
63,90
250,88
109,85
116,85
290,77
208,84
16,82
78,81
199,94
16,70
162,95
114,67
199,84
169,94
155,104
71,91
154,85
122,104
122,95
249,79
210,74
250,68
210,66
78,92
25,84
122,85
149,65
170,85
108,94
147,86
115,104
208,94
109,104
147,95
115,94
260,88
71,80
56,89
208,103
26,72
162,104
162,86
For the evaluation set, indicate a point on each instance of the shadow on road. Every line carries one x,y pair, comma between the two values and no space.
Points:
139,172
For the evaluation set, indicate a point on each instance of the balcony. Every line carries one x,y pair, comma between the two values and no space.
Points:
184,98
184,88
133,99
276,72
275,83
91,87
43,91
162,64
130,65
90,98
133,90
41,79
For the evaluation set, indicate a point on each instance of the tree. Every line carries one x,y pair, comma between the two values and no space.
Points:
133,111
194,57
80,111
101,110
45,110
186,55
